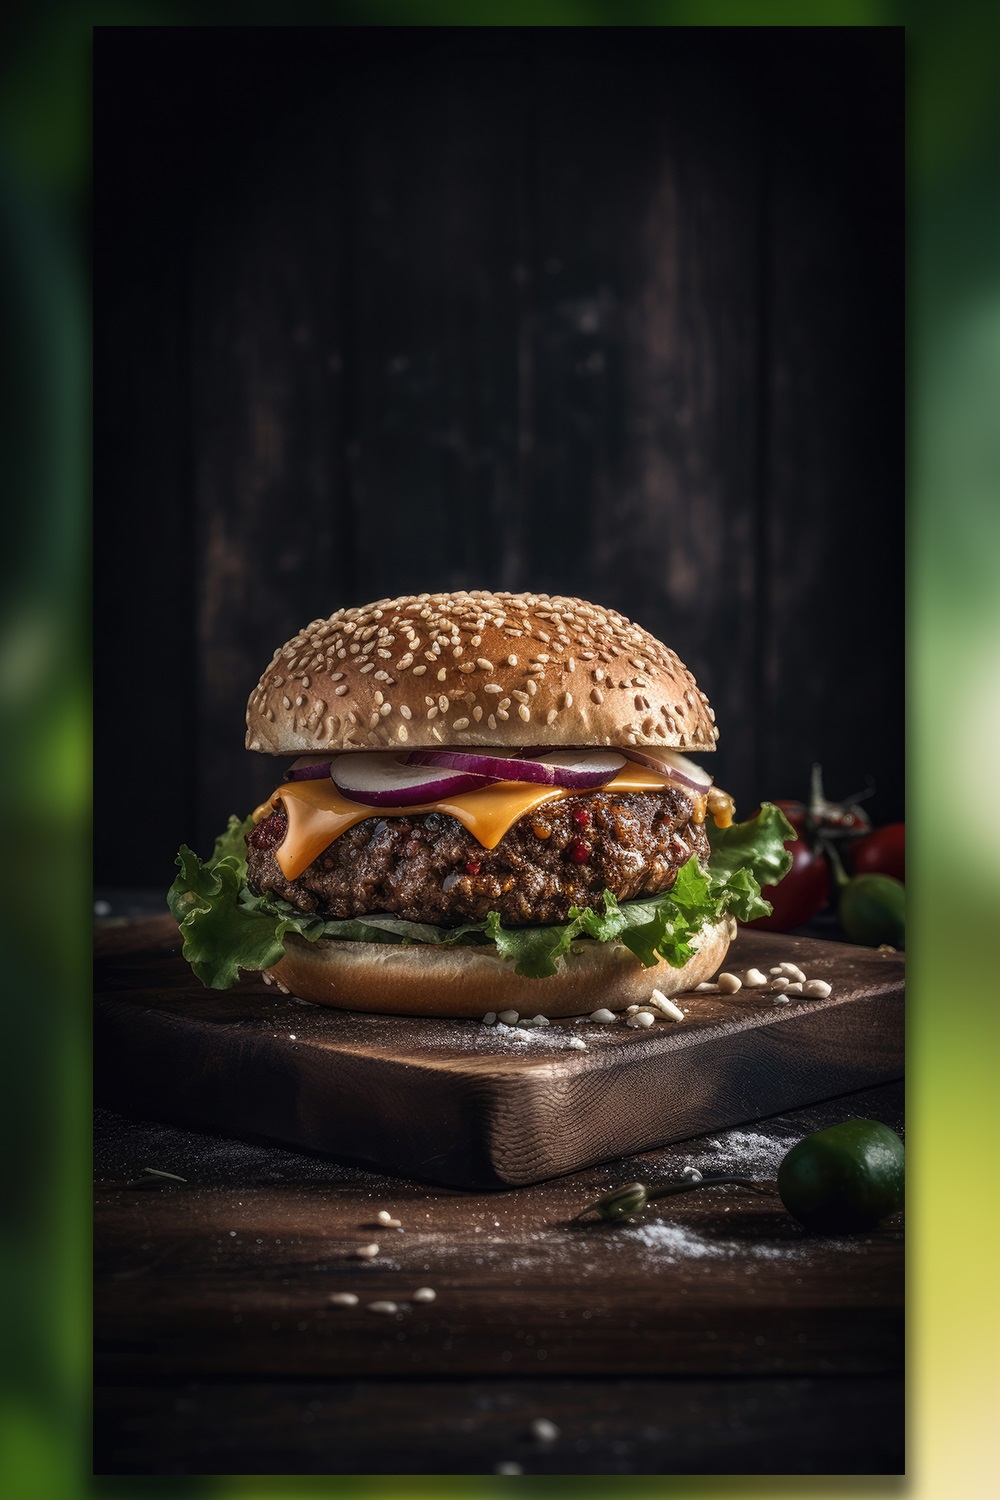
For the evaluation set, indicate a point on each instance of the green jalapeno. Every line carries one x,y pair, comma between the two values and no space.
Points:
845,1178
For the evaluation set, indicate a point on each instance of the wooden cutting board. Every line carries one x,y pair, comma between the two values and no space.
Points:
468,1105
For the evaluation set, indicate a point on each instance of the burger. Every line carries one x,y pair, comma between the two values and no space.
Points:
488,803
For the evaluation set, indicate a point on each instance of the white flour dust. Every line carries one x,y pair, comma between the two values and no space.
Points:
748,1153
671,1243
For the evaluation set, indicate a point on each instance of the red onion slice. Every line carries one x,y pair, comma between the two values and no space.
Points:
671,763
582,769
499,768
383,780
309,768
578,770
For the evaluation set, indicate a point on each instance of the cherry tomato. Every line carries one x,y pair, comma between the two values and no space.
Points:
881,853
805,890
795,812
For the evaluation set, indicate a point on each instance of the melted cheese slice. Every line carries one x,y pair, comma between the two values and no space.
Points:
318,814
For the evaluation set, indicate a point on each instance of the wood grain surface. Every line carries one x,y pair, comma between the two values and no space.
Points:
711,1336
465,1104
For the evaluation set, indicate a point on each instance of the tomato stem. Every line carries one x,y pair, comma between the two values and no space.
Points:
840,875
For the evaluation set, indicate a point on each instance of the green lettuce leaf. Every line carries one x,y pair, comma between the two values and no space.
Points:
227,927
220,934
758,845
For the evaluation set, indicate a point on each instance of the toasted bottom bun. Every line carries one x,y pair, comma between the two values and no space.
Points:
429,981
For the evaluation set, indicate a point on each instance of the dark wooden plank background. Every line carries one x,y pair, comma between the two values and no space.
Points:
608,312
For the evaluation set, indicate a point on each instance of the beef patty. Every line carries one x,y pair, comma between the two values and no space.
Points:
429,868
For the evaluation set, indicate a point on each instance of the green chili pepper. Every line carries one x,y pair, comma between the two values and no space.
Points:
872,910
845,1178
633,1197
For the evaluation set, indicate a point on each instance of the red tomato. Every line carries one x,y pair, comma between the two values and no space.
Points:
881,853
805,890
795,812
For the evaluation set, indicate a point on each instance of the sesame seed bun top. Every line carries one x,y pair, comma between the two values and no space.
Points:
476,669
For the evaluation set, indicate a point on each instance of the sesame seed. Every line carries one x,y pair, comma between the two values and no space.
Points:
432,712
336,676
523,712
460,724
407,714
477,713
379,699
487,666
492,687
491,721
567,700
368,666
512,661
598,674
442,674
419,671
544,1431
502,714
521,697
344,1299
385,709
443,702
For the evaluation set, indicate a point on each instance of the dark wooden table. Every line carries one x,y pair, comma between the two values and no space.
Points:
712,1337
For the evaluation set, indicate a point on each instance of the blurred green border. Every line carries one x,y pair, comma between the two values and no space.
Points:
954,634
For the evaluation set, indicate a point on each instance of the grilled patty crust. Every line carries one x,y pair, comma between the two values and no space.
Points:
429,868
